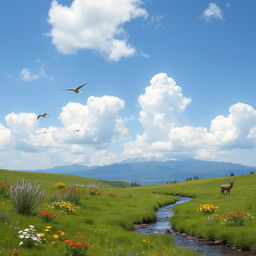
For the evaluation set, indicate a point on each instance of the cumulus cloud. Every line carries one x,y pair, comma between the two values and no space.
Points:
97,122
5,137
86,132
161,105
213,11
95,25
165,134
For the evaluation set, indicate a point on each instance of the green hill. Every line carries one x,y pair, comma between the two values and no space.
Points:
105,221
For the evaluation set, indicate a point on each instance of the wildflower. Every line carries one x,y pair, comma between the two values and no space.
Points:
46,215
60,185
75,248
207,208
29,237
55,236
234,219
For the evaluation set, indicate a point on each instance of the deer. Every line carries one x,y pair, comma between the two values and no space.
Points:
226,187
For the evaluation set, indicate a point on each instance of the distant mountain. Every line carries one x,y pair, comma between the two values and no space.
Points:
66,169
153,172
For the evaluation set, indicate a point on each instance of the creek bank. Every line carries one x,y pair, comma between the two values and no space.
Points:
211,242
184,240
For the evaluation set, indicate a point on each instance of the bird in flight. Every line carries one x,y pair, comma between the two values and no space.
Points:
42,115
76,130
76,90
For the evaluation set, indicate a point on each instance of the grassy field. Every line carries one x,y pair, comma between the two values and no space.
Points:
104,221
207,191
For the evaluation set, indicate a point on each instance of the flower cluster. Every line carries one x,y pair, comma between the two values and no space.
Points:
234,219
113,194
72,194
47,216
207,208
50,236
64,206
93,189
75,247
60,185
29,237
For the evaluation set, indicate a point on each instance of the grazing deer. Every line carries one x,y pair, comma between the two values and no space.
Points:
226,187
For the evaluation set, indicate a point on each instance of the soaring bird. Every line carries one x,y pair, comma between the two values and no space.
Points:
42,115
77,130
76,90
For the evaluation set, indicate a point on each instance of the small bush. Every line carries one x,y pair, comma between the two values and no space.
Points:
26,197
207,208
29,237
235,219
72,195
64,206
75,247
93,189
47,216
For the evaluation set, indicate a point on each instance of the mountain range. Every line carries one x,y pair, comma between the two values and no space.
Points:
154,172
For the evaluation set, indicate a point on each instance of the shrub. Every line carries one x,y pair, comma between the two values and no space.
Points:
93,189
65,207
75,247
72,195
26,197
207,208
234,219
47,216
29,237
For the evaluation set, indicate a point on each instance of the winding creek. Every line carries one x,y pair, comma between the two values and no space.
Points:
163,224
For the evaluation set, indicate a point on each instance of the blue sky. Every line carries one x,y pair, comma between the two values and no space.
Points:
166,80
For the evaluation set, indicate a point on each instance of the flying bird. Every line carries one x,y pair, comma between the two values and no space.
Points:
42,115
76,130
76,90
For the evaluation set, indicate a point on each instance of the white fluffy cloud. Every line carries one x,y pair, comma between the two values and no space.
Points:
161,105
97,122
5,137
164,135
92,133
213,11
95,25
86,132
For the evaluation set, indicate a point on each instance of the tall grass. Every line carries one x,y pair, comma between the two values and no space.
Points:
26,196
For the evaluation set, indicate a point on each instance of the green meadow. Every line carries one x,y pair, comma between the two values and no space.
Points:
106,220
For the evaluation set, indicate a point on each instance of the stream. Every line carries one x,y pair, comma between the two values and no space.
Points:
162,225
